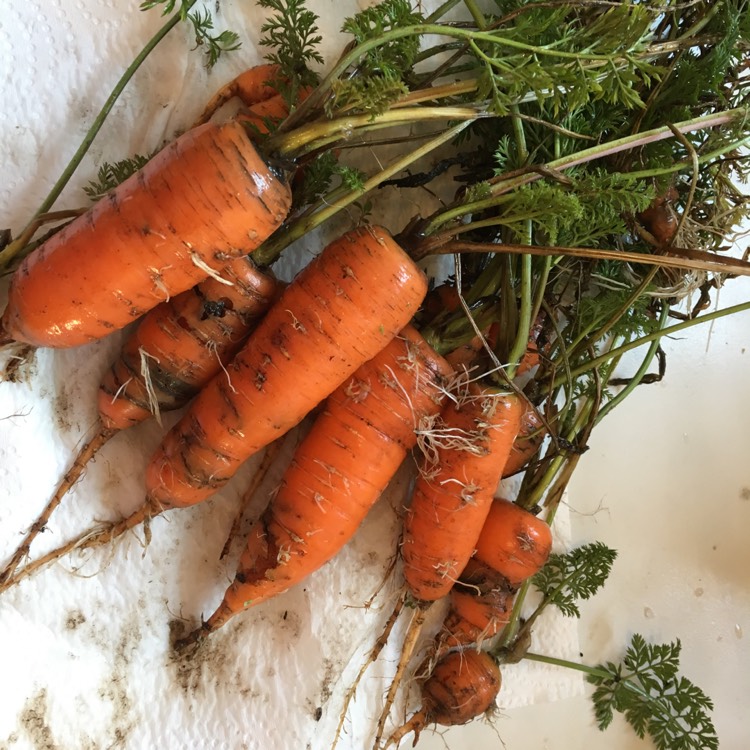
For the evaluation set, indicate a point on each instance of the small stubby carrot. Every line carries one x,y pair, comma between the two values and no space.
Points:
340,310
252,86
207,197
531,435
341,467
513,541
454,490
480,607
462,686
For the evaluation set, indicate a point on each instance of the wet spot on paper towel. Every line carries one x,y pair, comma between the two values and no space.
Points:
745,493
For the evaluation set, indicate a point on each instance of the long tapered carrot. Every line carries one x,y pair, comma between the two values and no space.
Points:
176,349
338,471
205,198
340,311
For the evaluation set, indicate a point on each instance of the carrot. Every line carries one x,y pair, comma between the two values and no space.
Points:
338,472
462,686
513,541
453,493
252,86
340,311
175,350
465,457
531,434
205,198
480,607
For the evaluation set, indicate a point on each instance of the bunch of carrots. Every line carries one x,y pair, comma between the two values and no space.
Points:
609,201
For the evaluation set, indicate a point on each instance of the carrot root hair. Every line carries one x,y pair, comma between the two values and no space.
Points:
407,650
372,657
97,536
87,452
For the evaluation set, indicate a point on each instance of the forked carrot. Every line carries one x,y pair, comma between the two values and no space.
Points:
337,473
453,493
464,459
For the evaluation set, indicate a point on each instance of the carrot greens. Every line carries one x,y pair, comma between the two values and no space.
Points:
647,690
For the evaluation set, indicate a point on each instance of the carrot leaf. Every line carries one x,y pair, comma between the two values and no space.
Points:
653,698
291,31
109,176
215,46
575,575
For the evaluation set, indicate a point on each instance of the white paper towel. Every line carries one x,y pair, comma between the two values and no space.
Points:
85,657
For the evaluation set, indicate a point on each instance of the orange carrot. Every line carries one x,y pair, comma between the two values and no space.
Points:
175,350
252,87
338,471
513,541
340,311
480,607
205,198
462,686
467,451
453,493
531,434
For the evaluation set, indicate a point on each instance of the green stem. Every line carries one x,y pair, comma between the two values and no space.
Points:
593,671
308,136
604,329
657,335
272,248
501,186
316,99
636,379
15,247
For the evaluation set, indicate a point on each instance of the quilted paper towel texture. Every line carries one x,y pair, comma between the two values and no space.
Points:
89,660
